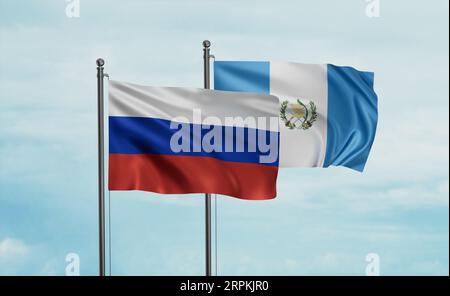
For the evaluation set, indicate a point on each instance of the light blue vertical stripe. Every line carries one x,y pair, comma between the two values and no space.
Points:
352,117
242,76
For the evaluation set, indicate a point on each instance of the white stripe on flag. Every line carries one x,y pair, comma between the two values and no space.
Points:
127,99
307,82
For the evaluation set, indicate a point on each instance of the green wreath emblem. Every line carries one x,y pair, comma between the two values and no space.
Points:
298,115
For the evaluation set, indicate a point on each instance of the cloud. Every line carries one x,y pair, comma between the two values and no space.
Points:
14,255
20,258
12,249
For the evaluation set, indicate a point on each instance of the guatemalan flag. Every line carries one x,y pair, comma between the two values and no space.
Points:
187,140
328,114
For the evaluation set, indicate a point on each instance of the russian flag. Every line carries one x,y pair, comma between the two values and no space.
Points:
328,114
183,140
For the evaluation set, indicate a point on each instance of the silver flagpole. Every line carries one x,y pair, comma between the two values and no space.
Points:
206,58
101,168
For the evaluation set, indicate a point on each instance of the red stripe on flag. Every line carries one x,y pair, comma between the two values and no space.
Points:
191,174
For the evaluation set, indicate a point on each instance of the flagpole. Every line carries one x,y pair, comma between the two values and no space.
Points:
101,167
206,81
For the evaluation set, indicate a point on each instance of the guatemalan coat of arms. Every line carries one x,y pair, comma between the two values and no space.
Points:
298,115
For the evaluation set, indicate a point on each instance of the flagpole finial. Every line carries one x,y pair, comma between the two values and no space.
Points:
206,44
100,62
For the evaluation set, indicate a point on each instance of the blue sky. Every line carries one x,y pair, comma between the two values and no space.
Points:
324,221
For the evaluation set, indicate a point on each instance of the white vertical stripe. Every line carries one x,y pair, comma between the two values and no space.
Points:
292,81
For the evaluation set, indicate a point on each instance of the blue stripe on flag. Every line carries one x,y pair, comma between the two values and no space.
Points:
352,117
242,76
142,135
